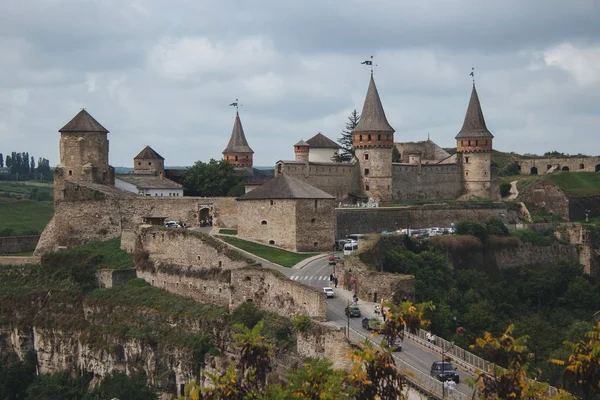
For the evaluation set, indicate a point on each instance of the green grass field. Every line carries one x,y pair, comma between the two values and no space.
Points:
228,231
576,184
110,250
277,256
25,207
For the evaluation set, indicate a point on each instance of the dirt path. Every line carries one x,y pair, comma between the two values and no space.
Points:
513,191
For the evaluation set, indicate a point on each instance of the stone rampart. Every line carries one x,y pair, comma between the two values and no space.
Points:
371,285
106,278
337,180
528,253
18,244
188,248
272,291
426,182
19,260
541,166
375,220
322,340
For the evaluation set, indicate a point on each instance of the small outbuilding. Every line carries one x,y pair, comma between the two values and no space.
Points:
289,213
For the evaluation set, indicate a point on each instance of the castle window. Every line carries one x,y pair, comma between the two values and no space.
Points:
476,143
247,278
379,138
467,173
366,171
366,156
367,187
581,166
484,173
220,264
388,137
149,162
263,222
313,220
462,142
486,142
246,157
139,163
315,244
469,142
198,258
466,160
369,138
272,202
236,158
316,203
360,138
70,172
271,242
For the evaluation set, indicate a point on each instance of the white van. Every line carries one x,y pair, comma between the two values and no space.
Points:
350,248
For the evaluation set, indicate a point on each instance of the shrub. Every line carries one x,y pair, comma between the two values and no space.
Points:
301,323
456,243
495,226
468,227
533,237
505,189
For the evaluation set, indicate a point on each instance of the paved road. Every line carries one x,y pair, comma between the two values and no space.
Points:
316,273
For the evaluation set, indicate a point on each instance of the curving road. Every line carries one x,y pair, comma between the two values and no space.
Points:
316,274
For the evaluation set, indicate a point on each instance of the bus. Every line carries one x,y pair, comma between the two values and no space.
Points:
350,248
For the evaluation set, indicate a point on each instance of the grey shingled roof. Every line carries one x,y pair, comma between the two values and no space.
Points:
148,153
320,141
474,125
149,181
237,142
83,122
285,187
302,143
372,118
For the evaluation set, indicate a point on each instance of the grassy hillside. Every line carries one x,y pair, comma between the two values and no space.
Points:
25,207
576,184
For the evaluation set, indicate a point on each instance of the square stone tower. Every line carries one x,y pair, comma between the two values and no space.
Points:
83,149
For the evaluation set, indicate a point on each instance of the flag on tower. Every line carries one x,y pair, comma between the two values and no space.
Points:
368,62
234,104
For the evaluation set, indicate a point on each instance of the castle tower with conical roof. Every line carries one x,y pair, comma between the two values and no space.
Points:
238,152
149,162
474,150
83,149
373,140
301,150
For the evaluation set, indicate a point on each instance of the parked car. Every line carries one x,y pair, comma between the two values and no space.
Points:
372,324
329,292
172,224
352,311
332,260
443,371
350,248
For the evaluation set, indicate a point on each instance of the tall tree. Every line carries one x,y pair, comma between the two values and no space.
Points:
347,149
32,164
1,161
25,166
214,178
8,161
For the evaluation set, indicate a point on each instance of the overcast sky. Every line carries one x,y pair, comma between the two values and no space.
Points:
163,73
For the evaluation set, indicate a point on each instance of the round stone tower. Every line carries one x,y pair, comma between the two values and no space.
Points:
83,149
474,151
301,149
238,152
373,140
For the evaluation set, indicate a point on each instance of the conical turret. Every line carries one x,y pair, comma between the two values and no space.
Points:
238,152
474,125
372,118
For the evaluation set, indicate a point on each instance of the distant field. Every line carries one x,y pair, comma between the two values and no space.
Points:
25,207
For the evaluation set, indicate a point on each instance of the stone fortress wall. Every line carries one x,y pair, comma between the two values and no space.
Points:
18,244
211,272
541,166
426,181
267,221
337,179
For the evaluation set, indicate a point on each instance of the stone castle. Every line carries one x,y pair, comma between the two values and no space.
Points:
425,171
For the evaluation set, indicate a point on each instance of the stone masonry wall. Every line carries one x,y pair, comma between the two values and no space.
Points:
272,291
375,220
18,244
188,248
321,340
527,253
268,221
337,180
215,290
589,164
372,285
315,221
426,182
106,278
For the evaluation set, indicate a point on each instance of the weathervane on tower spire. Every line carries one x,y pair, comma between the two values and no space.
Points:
473,74
369,62
236,105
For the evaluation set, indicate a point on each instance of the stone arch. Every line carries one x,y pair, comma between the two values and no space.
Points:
581,166
597,168
565,168
533,171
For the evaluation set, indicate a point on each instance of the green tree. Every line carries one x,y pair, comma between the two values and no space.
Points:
396,156
215,178
58,386
255,354
1,161
16,376
119,385
347,149
315,380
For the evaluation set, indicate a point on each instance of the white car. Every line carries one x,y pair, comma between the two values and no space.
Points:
329,292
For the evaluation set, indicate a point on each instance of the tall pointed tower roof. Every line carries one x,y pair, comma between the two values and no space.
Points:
474,125
83,122
373,117
148,153
237,142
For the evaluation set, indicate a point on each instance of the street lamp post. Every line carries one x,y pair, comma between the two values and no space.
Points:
444,351
348,317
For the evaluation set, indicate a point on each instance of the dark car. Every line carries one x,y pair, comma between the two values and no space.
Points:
372,324
395,345
352,311
443,371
